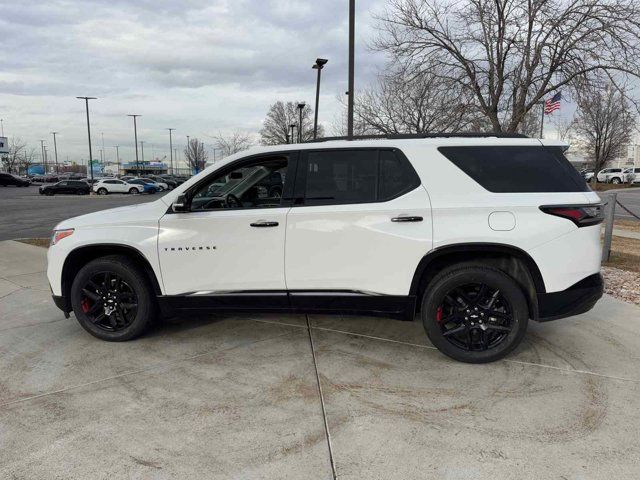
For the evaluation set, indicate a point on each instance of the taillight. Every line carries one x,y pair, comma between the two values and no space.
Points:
60,234
581,215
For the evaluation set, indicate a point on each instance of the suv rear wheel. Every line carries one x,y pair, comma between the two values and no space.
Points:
111,298
474,313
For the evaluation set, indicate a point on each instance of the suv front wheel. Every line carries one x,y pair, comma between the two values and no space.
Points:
474,313
111,298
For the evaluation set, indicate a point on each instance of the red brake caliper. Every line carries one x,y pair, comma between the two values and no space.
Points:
439,314
85,305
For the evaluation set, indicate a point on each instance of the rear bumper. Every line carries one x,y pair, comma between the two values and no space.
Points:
577,299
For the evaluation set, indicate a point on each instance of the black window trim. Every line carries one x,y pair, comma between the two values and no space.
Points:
301,177
285,200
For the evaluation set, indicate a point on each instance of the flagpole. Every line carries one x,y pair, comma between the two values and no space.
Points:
541,119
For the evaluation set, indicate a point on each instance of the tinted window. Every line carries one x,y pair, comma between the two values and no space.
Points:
396,176
516,169
341,176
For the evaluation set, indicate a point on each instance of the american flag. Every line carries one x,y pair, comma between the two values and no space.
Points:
552,105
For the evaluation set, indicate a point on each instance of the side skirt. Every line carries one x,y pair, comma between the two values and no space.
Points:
343,302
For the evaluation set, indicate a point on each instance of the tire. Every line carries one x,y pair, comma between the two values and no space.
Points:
616,180
134,191
490,334
102,191
49,194
80,192
134,279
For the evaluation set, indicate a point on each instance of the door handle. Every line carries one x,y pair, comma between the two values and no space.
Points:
406,219
263,223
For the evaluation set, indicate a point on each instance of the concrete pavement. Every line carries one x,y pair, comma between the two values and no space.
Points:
238,397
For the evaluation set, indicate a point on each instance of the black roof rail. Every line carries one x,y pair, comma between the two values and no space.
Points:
404,136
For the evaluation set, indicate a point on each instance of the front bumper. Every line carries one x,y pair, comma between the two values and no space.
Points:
62,304
577,299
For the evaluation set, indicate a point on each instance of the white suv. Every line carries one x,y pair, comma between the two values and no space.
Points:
610,175
113,185
476,234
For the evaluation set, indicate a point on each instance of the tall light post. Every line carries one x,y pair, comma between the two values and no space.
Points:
292,126
320,63
142,151
352,31
55,150
301,106
135,137
104,152
117,147
89,164
44,160
171,147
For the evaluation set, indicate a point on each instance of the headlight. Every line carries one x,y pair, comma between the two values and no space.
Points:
60,234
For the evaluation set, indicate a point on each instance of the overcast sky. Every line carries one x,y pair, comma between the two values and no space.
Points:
199,66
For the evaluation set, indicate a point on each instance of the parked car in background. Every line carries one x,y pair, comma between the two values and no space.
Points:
610,175
7,179
162,185
69,187
588,174
631,175
169,182
148,186
113,185
171,178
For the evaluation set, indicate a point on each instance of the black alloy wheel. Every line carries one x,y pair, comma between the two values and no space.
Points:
109,302
474,313
112,298
475,317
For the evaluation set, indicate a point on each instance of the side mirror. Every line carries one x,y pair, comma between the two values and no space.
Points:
180,204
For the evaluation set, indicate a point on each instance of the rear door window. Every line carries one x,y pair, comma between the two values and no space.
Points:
517,169
333,177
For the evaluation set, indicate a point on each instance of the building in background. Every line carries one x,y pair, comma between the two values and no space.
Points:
4,146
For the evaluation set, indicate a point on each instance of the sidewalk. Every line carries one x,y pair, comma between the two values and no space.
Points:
239,397
618,232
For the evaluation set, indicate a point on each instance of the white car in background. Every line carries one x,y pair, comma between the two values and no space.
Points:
610,175
114,185
632,175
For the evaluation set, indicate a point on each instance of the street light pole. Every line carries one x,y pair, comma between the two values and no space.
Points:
142,151
89,165
352,28
55,149
320,63
118,157
44,161
301,106
292,126
171,147
135,136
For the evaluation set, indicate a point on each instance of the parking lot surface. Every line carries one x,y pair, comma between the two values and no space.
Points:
27,214
238,397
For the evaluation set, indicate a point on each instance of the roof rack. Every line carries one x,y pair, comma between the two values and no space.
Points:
404,136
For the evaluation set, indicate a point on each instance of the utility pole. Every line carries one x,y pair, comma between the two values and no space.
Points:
352,29
142,151
89,164
44,160
171,147
135,136
55,149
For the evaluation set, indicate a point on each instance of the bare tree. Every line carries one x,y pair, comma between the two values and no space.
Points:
29,157
11,160
604,123
232,143
402,102
510,54
276,128
564,126
195,154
